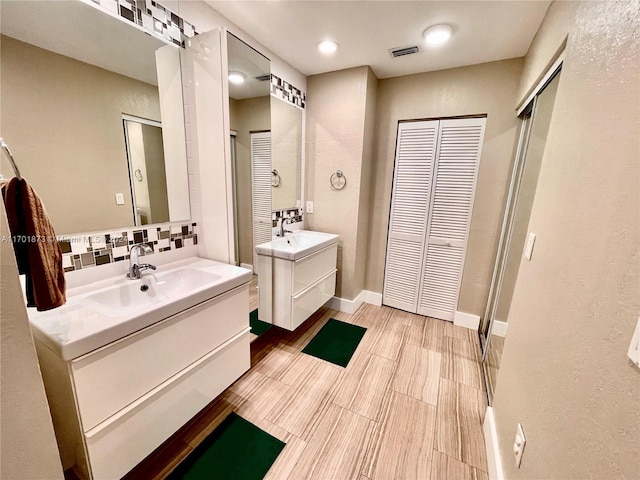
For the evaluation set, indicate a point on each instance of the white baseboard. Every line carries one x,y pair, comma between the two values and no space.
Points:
372,298
247,265
351,306
346,306
467,320
499,328
494,462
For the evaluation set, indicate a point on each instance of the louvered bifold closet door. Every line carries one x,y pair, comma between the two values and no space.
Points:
261,183
412,179
456,169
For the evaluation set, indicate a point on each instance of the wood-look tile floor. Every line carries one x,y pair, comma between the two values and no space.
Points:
409,405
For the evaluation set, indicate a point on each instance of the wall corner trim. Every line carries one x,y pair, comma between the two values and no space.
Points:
372,298
346,306
494,461
351,306
467,320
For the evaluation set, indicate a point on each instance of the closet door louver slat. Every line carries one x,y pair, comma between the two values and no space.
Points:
261,191
415,159
453,193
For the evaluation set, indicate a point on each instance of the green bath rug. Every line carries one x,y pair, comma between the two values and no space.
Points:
237,449
335,342
258,327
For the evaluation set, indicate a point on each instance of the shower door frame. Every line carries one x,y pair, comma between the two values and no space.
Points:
526,112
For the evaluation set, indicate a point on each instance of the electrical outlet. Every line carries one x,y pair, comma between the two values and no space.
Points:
634,347
528,249
518,445
119,199
309,206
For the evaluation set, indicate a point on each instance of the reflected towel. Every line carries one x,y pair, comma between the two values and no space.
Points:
38,253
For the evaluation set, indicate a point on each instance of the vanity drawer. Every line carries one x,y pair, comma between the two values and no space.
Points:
310,269
110,378
305,303
118,444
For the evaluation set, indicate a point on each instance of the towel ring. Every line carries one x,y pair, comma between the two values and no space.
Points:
275,179
337,180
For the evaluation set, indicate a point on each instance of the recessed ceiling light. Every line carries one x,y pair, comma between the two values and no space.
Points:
327,46
438,34
237,77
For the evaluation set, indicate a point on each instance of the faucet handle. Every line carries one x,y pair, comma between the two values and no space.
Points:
144,247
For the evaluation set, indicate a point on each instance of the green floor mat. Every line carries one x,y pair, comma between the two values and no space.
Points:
335,342
258,327
236,450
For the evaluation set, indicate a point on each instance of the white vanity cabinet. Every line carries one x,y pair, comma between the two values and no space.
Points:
115,405
291,290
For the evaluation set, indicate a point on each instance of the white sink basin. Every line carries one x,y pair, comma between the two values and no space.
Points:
103,312
297,245
151,290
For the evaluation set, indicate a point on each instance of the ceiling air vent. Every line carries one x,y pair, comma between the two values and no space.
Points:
264,78
402,51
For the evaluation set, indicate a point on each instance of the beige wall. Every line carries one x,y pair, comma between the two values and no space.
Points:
336,140
488,88
248,115
63,121
29,449
564,372
366,176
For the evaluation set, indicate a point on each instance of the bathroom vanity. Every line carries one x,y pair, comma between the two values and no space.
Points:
297,276
126,363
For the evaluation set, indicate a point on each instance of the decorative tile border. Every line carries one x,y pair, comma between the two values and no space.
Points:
88,251
287,92
295,214
153,17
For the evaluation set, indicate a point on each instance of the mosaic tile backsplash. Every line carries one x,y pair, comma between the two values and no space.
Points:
286,91
153,17
294,214
88,251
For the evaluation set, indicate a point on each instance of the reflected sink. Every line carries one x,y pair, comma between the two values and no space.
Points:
146,292
294,246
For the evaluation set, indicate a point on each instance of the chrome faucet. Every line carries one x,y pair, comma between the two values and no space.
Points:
282,231
135,268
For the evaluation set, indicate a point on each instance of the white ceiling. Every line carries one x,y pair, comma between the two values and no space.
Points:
484,31
242,58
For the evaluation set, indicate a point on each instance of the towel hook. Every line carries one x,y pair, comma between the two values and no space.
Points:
337,180
275,179
6,150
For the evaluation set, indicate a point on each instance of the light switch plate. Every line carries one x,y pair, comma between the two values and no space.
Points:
119,199
528,249
634,347
518,445
309,206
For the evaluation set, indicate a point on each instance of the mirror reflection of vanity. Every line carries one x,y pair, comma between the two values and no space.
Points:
92,111
250,124
266,150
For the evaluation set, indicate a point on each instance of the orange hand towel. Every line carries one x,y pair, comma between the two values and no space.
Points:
38,253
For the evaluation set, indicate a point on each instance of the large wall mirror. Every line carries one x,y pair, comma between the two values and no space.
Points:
92,111
250,123
286,154
266,149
